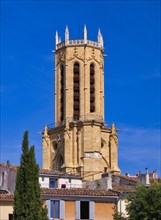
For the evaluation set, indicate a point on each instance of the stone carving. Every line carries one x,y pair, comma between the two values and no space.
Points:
45,138
75,55
60,57
93,57
113,136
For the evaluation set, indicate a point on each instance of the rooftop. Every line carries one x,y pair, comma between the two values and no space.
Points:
122,188
8,165
77,192
48,172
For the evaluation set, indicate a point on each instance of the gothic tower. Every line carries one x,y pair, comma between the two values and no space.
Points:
79,142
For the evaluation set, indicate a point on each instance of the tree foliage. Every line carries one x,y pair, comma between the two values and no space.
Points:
118,216
27,201
145,203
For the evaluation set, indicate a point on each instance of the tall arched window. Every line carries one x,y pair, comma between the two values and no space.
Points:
76,85
92,88
62,93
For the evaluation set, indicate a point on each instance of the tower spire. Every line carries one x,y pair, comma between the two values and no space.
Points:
56,39
66,35
100,38
85,34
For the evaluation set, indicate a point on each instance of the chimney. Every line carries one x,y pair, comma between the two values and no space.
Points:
8,163
147,183
155,175
108,179
144,178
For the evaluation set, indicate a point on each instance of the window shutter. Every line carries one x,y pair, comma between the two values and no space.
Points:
48,207
77,209
91,210
62,209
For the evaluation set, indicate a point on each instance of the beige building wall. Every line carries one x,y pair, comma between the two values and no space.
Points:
104,211
70,210
84,146
121,207
6,208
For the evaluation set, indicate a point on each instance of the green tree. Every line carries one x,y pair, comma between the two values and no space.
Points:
27,201
145,203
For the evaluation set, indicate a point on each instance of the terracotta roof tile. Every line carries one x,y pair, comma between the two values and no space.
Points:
52,172
130,178
46,171
6,197
77,192
66,192
122,188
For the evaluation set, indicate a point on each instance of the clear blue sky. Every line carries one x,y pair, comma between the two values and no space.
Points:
131,32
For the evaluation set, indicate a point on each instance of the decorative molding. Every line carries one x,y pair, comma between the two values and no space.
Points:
92,57
75,55
60,57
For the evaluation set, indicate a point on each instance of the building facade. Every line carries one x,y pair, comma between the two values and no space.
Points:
80,142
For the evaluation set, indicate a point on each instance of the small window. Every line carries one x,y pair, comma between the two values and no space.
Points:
42,178
52,183
63,186
54,209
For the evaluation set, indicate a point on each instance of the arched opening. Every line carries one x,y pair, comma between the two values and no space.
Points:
92,88
103,143
62,93
76,89
59,163
55,146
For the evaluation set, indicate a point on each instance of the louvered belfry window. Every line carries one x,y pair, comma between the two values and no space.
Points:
76,89
62,93
92,88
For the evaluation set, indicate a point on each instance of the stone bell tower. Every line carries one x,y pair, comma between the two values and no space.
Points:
79,141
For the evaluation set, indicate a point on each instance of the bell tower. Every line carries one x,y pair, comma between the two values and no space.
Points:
79,141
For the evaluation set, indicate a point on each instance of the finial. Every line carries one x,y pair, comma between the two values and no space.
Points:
45,130
99,36
56,39
85,34
113,128
101,40
99,32
66,33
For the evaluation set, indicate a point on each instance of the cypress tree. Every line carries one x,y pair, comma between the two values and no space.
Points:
27,201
